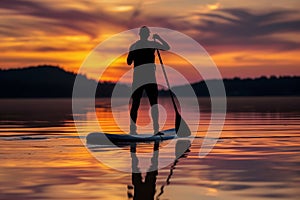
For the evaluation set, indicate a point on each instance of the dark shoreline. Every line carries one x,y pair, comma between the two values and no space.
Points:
53,82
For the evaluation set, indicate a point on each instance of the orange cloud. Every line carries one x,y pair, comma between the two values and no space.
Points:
64,33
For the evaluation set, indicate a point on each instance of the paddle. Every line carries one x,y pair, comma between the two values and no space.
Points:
181,127
181,151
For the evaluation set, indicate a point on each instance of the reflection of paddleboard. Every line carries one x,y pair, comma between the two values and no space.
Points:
101,138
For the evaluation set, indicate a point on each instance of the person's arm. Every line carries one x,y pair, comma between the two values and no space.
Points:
162,44
130,56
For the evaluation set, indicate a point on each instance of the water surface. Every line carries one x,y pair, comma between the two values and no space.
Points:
256,157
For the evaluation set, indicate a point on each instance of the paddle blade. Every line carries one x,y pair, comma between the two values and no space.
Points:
181,127
182,148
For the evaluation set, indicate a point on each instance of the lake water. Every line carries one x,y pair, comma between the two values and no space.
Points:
256,157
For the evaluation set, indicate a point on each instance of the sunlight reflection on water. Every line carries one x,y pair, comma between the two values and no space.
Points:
257,156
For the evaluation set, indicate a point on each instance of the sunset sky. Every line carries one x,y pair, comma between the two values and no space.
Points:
244,38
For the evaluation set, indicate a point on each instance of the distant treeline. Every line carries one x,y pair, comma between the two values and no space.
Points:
53,82
263,86
45,81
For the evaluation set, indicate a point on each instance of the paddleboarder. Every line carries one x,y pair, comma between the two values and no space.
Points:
142,55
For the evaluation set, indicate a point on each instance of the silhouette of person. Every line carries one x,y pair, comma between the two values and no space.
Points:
144,190
142,54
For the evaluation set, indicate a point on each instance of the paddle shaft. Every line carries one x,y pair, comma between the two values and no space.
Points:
167,80
182,129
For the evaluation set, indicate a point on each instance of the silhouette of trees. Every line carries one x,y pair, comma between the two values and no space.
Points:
48,81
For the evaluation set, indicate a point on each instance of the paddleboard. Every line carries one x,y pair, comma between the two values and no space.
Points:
100,138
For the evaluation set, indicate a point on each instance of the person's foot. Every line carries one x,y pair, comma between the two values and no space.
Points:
133,133
158,133
133,129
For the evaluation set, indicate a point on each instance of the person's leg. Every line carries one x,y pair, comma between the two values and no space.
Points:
151,176
136,98
152,93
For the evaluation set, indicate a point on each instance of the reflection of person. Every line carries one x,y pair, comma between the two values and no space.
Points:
142,54
144,190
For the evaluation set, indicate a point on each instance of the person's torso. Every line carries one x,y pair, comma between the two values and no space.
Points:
143,53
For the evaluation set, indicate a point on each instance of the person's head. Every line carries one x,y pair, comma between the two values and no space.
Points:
144,32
